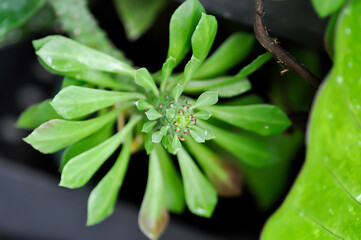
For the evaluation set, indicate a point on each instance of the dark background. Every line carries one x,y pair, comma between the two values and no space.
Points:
32,206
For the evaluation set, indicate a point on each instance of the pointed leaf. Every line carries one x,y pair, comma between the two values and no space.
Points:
144,79
263,119
206,99
201,197
189,70
172,181
148,144
176,144
78,171
198,135
167,70
203,115
62,55
148,126
225,177
232,51
37,114
72,102
138,15
153,214
177,92
233,89
153,114
157,136
143,105
102,199
57,134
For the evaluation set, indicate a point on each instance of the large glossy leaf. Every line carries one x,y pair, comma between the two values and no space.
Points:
324,202
263,119
138,15
153,214
72,102
327,7
79,23
57,134
172,181
81,168
37,114
248,149
229,54
86,144
102,199
61,55
201,197
13,13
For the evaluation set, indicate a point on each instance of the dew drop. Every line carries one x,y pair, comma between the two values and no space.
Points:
350,64
5,5
348,31
347,147
359,143
324,187
330,116
357,219
266,127
358,198
301,214
77,31
339,79
358,106
331,211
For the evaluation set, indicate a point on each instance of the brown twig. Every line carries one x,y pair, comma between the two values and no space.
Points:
285,59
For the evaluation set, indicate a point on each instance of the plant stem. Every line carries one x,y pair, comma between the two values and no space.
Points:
285,59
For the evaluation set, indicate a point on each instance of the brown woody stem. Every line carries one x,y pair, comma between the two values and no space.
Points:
285,59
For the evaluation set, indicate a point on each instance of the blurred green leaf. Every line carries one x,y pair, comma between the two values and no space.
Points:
233,89
206,99
263,119
72,102
172,182
249,149
80,24
138,15
143,105
177,92
61,55
224,176
37,114
325,199
153,114
201,197
78,171
102,199
327,7
13,13
57,134
148,126
153,215
232,51
144,79
86,144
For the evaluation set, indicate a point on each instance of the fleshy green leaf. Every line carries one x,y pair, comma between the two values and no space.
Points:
167,69
144,79
143,105
138,15
177,92
80,25
201,85
327,7
263,119
157,136
103,197
233,89
170,113
206,99
203,115
153,214
13,13
201,197
78,171
99,79
61,55
172,181
182,25
224,176
248,149
198,134
72,102
37,114
148,144
189,70
57,134
153,114
86,144
325,199
148,126
176,144
228,55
